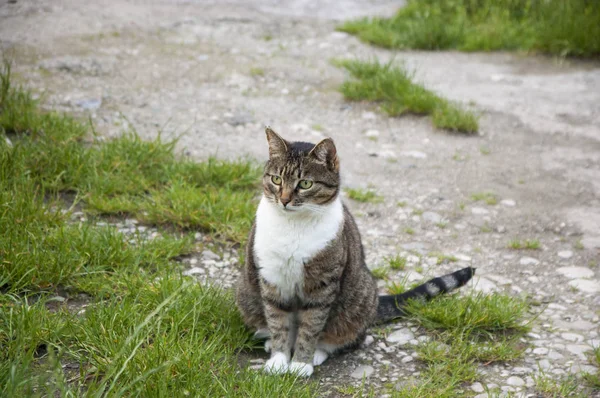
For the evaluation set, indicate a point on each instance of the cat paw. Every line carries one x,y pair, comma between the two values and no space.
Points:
268,345
301,369
277,364
319,357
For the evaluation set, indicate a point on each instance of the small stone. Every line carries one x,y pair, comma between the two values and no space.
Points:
508,202
479,211
89,104
528,261
401,337
576,272
209,255
414,154
585,285
544,364
368,341
566,254
577,338
541,351
407,359
477,387
372,133
362,371
431,217
579,349
193,271
484,285
515,381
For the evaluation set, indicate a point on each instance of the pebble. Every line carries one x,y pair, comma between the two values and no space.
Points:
477,387
431,217
585,285
576,272
400,337
414,154
372,133
362,371
479,211
572,337
566,254
529,261
515,381
368,341
508,202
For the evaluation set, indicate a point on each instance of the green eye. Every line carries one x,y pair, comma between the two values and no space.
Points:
305,184
276,180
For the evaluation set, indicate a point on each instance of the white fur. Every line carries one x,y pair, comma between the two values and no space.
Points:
279,363
319,357
301,369
286,239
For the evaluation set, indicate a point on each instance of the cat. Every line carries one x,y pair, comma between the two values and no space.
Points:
305,285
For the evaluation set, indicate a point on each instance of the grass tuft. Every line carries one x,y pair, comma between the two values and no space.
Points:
593,380
559,27
527,244
488,197
364,195
393,87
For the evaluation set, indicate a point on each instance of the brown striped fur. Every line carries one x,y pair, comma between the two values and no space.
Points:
339,300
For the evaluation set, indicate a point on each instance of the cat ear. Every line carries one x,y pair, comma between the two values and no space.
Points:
277,145
325,152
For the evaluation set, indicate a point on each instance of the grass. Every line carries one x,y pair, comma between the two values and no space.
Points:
397,263
527,244
380,272
489,198
559,27
257,72
466,331
124,176
553,387
443,258
88,311
364,195
593,380
394,89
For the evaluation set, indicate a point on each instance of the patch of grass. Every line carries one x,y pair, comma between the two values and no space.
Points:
401,203
88,311
485,150
441,224
417,212
409,231
443,258
317,127
393,87
593,380
553,387
466,331
578,245
257,72
527,244
380,272
364,195
488,197
124,176
397,262
564,28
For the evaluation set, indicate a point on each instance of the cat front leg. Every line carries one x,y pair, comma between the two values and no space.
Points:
279,322
310,325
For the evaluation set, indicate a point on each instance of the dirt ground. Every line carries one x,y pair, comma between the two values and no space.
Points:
216,72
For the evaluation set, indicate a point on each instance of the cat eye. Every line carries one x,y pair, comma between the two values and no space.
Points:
276,180
305,184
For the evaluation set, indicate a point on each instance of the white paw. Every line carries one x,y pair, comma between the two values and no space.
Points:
268,345
277,364
301,369
320,357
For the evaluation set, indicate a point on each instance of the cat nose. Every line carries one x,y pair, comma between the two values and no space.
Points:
285,201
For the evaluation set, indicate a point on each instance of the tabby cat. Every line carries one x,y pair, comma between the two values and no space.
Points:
305,285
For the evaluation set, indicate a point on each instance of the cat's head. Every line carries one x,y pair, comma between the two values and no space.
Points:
299,176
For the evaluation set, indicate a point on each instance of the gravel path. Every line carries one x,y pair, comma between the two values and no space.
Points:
218,71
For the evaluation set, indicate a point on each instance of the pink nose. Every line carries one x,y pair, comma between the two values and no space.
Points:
285,201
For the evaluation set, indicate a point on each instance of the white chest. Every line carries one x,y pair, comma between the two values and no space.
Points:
283,242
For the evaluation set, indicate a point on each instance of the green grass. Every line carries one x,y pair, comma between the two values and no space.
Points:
88,311
489,198
553,387
394,89
593,380
397,263
527,244
443,258
364,195
124,176
257,72
560,27
466,331
380,272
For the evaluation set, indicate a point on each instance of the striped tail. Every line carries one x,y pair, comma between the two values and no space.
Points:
391,307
